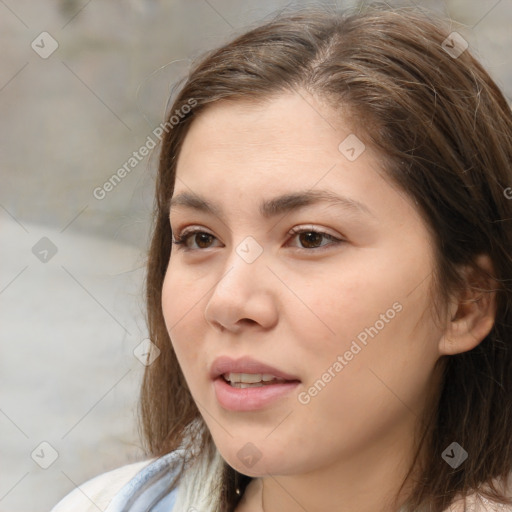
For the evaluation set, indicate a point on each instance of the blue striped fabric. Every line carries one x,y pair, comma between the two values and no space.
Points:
147,486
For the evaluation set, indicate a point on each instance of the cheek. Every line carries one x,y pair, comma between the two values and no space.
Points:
383,386
170,305
380,376
342,305
181,310
384,334
181,296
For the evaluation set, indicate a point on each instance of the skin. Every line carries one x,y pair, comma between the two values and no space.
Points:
298,308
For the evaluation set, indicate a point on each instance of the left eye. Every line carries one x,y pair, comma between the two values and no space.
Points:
309,238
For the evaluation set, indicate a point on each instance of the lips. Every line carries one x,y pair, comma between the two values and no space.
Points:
248,385
226,365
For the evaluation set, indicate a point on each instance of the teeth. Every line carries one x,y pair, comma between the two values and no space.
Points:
250,378
244,385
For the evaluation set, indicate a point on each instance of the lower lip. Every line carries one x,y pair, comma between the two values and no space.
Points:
250,399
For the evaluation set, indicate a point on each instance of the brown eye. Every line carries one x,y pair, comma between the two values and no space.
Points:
311,239
203,239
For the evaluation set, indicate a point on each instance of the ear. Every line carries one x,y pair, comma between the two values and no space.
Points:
472,314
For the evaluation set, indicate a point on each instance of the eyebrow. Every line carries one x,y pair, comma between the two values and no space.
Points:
275,206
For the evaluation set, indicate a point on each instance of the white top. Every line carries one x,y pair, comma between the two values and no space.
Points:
141,482
99,491
138,484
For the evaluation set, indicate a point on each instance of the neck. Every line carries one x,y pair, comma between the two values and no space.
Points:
366,481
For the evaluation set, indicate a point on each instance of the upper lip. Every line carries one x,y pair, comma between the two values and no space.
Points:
246,364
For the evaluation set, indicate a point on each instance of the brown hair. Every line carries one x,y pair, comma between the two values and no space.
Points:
445,131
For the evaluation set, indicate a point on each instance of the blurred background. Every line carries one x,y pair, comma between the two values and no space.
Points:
83,83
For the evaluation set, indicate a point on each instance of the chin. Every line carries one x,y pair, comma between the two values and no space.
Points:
253,463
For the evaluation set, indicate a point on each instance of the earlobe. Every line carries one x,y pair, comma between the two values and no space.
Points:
465,334
472,316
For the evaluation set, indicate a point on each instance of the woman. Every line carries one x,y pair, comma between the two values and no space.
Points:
329,279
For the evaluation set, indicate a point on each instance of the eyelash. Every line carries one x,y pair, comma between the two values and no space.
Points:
180,239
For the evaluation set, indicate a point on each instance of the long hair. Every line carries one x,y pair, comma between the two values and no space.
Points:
444,132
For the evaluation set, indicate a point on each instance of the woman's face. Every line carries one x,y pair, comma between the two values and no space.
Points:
341,309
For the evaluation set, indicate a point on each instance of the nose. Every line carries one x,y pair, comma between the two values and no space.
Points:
245,295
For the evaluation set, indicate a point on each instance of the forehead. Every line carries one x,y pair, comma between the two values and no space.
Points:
292,122
244,154
289,134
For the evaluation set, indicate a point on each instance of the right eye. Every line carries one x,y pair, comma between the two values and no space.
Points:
196,235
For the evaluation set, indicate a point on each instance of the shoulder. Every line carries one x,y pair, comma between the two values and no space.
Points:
134,484
99,491
476,502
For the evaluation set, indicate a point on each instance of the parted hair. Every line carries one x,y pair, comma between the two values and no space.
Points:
444,131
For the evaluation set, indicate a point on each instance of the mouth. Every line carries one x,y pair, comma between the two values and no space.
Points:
252,380
249,385
247,370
